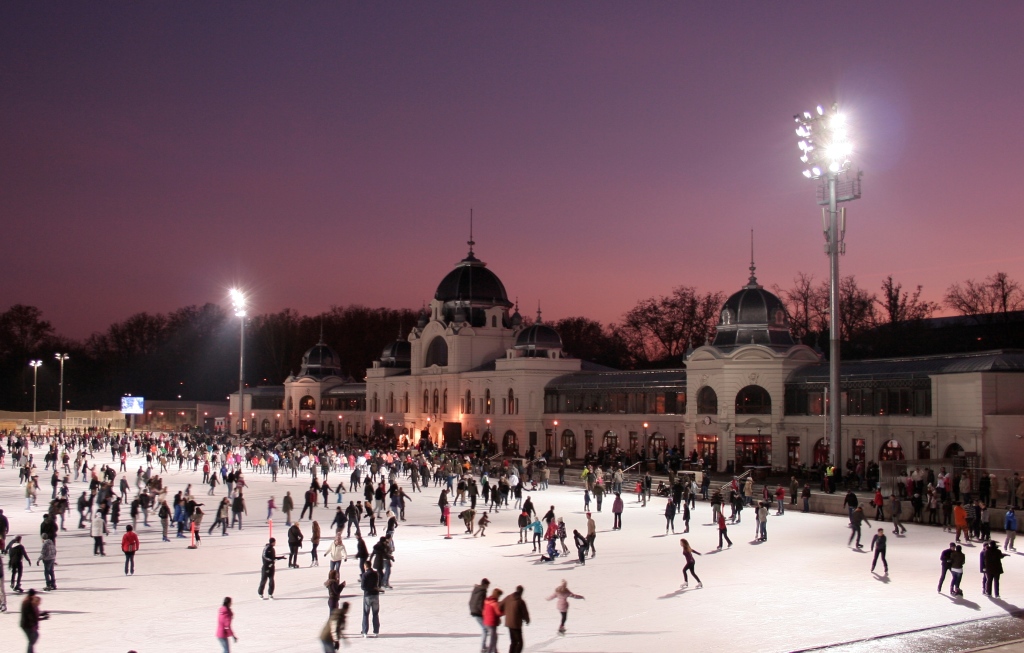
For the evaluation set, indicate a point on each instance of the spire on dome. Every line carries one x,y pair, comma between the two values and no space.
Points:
752,281
470,242
539,320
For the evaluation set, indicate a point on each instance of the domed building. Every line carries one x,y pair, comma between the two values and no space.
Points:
471,368
471,375
738,380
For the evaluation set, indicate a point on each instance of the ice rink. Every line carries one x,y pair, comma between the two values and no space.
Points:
803,588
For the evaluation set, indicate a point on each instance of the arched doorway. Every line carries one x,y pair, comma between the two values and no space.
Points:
891,450
821,452
510,444
568,444
954,450
610,441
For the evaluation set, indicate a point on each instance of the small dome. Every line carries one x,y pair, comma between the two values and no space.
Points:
320,360
517,320
538,336
397,354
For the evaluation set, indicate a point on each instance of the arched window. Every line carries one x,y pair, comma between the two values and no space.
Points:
265,427
376,404
437,352
707,401
494,320
469,402
426,401
307,403
391,402
487,401
436,397
405,403
753,400
444,401
954,450
891,450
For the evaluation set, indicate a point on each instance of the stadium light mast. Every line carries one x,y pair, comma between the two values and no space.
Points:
35,382
825,150
238,303
61,358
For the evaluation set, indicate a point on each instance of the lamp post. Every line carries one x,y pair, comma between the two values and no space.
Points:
35,380
61,358
238,303
826,148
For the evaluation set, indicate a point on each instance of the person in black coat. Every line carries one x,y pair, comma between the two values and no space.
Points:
295,538
267,568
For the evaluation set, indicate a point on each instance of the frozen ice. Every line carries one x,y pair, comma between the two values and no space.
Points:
802,588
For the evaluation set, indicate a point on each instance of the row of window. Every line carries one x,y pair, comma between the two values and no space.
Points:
906,401
437,403
590,401
344,404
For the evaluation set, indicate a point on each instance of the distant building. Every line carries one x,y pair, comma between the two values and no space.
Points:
470,369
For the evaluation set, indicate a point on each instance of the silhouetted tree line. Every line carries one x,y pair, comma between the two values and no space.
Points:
193,352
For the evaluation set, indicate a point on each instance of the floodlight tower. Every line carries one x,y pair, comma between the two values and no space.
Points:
238,303
35,382
61,358
825,148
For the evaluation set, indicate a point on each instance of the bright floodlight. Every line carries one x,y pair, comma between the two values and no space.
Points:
237,302
824,141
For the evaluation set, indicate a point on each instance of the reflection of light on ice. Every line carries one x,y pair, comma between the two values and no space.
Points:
771,597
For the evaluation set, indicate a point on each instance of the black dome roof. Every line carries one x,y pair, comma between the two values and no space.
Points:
471,281
538,336
397,354
320,360
753,316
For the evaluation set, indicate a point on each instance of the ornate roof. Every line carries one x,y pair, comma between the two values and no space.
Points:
472,283
320,361
753,316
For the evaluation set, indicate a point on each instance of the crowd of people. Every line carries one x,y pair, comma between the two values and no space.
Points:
126,473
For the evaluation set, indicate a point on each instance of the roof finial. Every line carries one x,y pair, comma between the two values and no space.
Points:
752,282
321,330
470,241
539,320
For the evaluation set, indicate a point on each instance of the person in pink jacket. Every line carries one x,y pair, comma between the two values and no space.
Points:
224,631
563,594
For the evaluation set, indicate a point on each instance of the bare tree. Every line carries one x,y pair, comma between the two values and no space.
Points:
899,306
659,329
807,305
981,300
856,309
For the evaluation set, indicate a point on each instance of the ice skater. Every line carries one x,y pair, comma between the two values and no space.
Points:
688,553
563,594
878,546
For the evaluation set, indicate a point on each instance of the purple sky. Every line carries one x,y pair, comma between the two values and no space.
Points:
154,154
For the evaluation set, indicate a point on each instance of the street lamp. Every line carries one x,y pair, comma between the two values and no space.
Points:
35,379
238,303
826,148
61,358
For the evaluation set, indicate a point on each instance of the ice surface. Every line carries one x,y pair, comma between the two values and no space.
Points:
803,588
